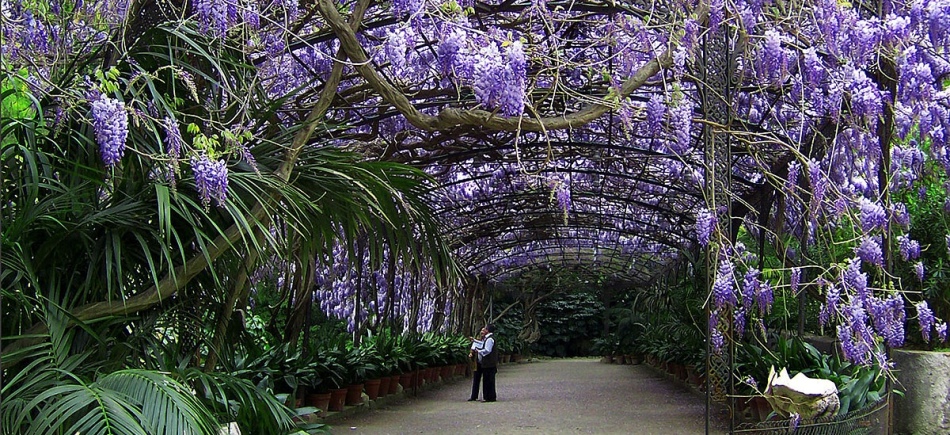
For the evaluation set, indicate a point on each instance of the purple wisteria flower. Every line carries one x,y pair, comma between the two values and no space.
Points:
829,309
656,111
706,222
887,317
738,320
855,280
795,279
899,215
110,122
764,298
819,184
925,317
750,286
724,293
869,251
212,15
499,78
563,195
211,179
919,270
717,340
772,59
909,248
873,215
173,139
856,340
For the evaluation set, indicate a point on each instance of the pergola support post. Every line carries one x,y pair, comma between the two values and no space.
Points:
715,94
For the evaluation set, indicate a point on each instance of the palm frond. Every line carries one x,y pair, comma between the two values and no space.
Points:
167,406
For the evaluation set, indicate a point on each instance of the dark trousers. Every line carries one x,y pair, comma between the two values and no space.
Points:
485,376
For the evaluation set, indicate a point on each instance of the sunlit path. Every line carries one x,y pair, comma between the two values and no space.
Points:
558,396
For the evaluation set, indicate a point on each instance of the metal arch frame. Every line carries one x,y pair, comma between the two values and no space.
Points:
716,91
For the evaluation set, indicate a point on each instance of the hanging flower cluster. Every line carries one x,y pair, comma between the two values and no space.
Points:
110,121
211,178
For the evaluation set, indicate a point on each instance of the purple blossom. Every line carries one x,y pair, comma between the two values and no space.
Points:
941,331
563,195
887,317
819,183
656,111
172,137
706,222
866,101
872,216
772,59
211,179
899,215
830,308
909,248
869,251
717,340
724,285
406,7
856,339
448,51
919,271
796,279
855,280
925,317
499,78
212,15
738,320
750,286
397,47
110,122
812,68
764,298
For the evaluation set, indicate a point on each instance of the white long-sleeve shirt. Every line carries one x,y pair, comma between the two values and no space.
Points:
483,347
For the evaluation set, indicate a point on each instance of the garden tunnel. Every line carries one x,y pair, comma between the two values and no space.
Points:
385,161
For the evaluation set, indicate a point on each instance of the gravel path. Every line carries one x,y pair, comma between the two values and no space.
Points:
546,397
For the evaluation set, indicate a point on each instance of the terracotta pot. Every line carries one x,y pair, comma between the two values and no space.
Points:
460,369
320,401
405,380
384,386
337,399
446,372
354,394
505,359
516,358
394,384
677,370
372,388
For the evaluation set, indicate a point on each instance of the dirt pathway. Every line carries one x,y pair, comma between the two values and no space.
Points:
545,397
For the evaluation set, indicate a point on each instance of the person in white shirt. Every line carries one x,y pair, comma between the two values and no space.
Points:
486,364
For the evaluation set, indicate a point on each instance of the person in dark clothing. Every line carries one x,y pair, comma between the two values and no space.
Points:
486,364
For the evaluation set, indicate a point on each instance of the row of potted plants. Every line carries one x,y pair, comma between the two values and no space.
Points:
333,370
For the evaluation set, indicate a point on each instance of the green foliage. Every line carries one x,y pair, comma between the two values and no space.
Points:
66,384
568,324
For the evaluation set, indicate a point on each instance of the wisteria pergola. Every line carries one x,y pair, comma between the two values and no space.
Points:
620,138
